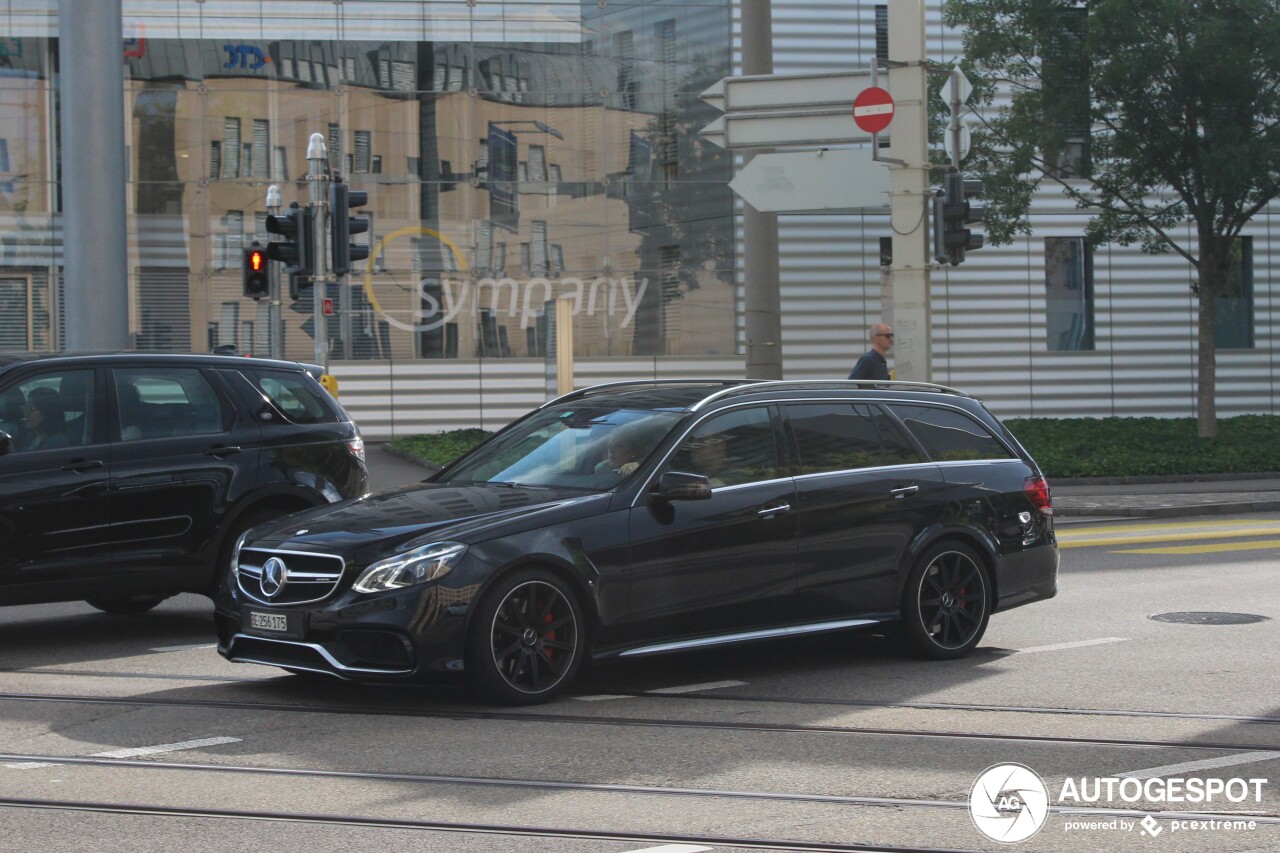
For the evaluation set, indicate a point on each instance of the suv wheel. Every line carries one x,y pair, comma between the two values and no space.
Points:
526,641
946,603
125,606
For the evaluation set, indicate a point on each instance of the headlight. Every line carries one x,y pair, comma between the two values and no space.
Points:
235,552
417,566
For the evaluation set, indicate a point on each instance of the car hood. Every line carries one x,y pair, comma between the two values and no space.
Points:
392,518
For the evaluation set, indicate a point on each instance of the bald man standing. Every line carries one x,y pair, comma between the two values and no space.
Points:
872,365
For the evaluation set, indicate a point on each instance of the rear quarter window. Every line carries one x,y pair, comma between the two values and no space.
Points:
949,435
299,397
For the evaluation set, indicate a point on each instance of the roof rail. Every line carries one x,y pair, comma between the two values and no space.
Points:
614,386
801,384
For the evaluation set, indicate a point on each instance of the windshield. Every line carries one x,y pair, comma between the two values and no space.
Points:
589,447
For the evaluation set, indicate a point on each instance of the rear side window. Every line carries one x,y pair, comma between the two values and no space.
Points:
847,436
950,436
297,395
166,402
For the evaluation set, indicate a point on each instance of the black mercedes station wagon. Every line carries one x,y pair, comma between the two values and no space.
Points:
127,478
645,517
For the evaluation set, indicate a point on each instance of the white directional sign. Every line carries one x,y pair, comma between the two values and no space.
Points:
837,181
797,127
792,91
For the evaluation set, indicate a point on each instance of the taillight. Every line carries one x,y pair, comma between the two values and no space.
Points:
1037,491
355,446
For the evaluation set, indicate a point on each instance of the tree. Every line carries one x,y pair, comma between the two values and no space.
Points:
1169,110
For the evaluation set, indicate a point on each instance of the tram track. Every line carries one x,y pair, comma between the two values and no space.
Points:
641,722
741,843
559,786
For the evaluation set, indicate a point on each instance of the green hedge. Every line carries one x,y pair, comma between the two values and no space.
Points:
441,448
1135,447
1064,447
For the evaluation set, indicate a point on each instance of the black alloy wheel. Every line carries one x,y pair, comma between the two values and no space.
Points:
946,603
527,640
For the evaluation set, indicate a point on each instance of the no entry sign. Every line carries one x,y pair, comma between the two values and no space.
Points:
872,110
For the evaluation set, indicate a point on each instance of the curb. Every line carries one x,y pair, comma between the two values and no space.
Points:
1066,513
1153,480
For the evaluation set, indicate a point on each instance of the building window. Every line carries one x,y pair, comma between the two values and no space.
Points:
1068,279
624,50
231,148
402,74
1065,73
280,168
537,163
539,259
882,32
215,159
364,141
334,142
1233,306
261,145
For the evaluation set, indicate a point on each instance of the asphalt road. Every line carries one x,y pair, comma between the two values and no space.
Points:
130,733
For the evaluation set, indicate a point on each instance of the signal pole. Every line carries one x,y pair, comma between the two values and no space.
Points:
275,320
318,163
908,191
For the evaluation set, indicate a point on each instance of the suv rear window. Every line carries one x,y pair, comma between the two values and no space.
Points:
297,395
950,436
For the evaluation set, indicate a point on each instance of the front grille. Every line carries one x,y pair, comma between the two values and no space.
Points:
298,577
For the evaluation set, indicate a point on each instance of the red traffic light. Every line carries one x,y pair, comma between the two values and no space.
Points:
257,260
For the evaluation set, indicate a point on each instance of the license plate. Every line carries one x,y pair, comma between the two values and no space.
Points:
278,622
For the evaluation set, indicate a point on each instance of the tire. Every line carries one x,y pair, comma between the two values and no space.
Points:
125,606
527,639
946,603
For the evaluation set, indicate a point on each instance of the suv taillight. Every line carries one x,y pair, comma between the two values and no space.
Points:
355,446
1037,491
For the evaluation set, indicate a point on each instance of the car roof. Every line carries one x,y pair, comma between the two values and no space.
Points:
691,395
11,359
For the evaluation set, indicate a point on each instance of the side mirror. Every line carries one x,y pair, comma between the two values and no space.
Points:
679,486
6,443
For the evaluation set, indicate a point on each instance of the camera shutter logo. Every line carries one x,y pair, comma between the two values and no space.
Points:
1008,803
274,577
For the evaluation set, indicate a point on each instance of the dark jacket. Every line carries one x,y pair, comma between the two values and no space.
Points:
871,366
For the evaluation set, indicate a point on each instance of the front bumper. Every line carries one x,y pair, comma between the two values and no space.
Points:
413,634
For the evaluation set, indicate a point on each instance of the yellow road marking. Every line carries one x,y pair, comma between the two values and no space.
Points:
1137,537
1206,549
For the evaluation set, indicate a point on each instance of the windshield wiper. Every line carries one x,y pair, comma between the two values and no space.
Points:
512,484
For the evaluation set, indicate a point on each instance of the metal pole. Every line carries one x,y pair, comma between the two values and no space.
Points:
909,192
317,179
94,245
761,292
275,320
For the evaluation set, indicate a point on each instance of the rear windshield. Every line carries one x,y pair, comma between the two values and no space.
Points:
296,394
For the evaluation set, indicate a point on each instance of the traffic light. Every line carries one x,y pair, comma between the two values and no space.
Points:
298,282
343,251
951,213
298,249
254,266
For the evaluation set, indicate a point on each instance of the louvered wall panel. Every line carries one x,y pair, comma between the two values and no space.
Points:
989,323
409,398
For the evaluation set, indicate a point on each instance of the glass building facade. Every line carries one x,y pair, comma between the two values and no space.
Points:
512,152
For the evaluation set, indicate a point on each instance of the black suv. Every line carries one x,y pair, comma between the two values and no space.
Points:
124,478
647,517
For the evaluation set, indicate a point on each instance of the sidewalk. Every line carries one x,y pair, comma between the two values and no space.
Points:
1223,495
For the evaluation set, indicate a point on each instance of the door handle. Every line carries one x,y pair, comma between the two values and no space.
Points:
903,491
222,450
82,464
771,511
